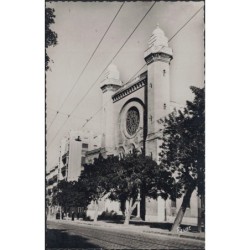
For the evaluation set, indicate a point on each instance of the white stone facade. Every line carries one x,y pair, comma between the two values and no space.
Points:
130,119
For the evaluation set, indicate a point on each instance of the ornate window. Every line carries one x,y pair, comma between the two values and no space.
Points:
132,120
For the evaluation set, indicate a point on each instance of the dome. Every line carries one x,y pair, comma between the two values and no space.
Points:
111,76
158,44
158,38
158,31
112,72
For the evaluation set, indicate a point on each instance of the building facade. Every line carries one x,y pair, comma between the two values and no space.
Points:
51,184
131,119
72,155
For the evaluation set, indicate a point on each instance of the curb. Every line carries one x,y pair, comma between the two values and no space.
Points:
195,237
178,235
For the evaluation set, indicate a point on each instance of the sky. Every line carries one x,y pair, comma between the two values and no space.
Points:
80,27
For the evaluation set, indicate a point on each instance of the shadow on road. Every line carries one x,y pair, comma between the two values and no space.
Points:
58,238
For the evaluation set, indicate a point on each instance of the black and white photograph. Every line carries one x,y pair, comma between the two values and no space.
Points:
125,125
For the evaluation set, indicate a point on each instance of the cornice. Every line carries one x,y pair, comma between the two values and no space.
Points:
130,89
159,56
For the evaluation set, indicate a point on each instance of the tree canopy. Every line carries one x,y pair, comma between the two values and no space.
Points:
50,35
183,150
180,172
136,174
123,180
70,194
95,179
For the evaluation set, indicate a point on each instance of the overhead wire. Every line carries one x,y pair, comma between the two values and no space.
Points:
88,120
103,70
65,114
171,38
86,65
96,81
144,64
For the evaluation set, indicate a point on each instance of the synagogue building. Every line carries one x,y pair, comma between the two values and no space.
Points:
131,119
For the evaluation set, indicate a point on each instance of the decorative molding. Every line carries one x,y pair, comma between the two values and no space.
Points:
163,57
129,89
109,87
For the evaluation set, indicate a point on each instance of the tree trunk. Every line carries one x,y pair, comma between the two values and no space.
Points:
127,218
96,211
60,214
182,210
128,211
143,203
200,212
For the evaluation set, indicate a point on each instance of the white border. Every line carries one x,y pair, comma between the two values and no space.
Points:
22,124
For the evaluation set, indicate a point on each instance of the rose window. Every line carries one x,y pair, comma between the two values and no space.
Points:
132,120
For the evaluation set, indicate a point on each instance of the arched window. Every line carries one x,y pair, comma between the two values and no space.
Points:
132,120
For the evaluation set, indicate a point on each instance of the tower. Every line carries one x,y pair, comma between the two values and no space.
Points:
158,57
109,86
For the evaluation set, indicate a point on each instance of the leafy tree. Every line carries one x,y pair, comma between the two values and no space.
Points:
134,174
50,36
95,179
70,194
183,150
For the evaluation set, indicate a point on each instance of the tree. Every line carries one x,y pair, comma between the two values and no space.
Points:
183,150
50,36
133,174
70,194
95,179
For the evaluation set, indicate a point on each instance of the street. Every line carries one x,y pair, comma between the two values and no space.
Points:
63,235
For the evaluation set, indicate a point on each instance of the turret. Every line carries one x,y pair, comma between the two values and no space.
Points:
110,84
158,57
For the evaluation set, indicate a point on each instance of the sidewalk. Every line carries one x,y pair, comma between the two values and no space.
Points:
136,228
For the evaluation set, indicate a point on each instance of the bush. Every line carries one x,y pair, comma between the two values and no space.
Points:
106,215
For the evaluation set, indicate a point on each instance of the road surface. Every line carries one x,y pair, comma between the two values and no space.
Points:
63,235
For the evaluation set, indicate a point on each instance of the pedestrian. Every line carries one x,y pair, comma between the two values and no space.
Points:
73,215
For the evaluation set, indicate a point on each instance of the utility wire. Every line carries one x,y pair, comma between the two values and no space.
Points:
86,65
88,120
169,39
59,130
103,70
186,23
52,121
135,73
62,113
144,64
96,81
